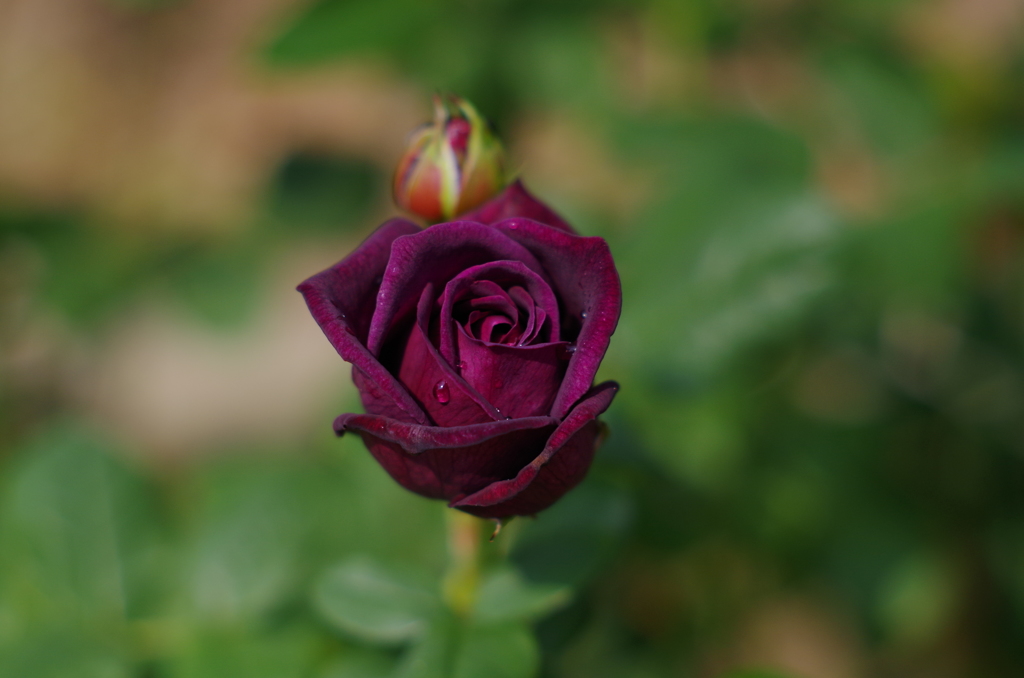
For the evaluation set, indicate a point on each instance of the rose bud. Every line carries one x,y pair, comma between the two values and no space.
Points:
474,346
450,166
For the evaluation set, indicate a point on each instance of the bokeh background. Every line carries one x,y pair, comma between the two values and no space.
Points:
816,465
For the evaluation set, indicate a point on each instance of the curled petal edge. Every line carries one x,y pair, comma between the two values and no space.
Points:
346,323
436,255
585,412
416,439
585,280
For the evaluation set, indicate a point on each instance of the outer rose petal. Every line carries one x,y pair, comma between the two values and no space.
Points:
435,256
585,280
342,300
449,462
516,201
557,469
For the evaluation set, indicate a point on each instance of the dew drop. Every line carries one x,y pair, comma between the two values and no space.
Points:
514,225
583,315
442,393
462,364
567,351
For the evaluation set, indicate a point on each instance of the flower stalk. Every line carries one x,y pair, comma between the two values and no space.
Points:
461,583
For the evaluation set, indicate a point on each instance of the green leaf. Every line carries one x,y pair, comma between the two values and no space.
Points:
81,540
245,559
507,651
65,655
756,267
431,654
570,541
361,663
220,655
505,596
335,28
374,602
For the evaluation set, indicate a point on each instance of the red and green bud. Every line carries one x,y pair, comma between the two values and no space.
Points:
452,165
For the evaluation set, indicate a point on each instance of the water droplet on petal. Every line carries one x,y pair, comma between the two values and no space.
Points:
583,315
567,351
514,225
442,393
462,364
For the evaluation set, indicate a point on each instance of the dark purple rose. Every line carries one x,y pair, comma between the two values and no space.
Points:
474,346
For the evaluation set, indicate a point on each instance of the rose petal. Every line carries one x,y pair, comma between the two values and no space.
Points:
436,255
449,463
516,201
520,381
443,394
524,301
586,282
508,272
557,469
342,301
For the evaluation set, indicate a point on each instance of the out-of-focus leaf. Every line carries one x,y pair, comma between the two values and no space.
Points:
504,596
217,655
916,257
81,540
698,439
504,651
559,63
431,655
67,655
245,556
570,541
334,28
361,663
734,249
355,507
752,274
892,108
375,602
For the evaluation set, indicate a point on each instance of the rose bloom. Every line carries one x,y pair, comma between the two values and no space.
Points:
474,345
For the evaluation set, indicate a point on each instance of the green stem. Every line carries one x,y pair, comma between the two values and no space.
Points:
465,534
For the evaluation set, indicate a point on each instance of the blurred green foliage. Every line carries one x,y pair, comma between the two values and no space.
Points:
823,395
